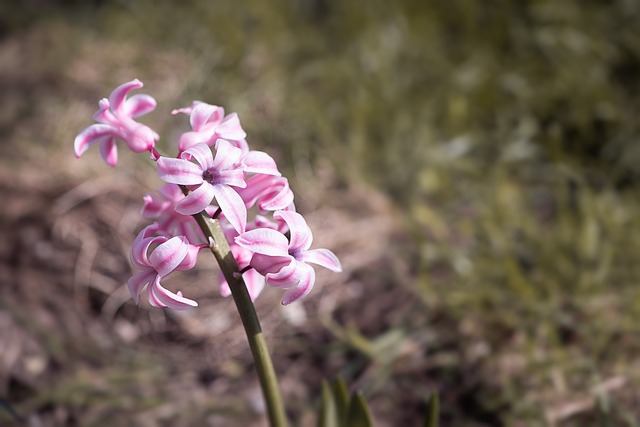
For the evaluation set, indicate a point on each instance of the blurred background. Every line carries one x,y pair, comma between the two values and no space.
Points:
474,166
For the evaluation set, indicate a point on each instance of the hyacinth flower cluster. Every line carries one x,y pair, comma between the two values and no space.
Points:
214,174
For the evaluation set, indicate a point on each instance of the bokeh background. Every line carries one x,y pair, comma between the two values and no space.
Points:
474,165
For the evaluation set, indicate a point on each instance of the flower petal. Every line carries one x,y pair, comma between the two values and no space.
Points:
90,136
179,171
138,281
260,162
202,153
141,244
185,110
189,139
230,128
190,260
302,289
161,297
264,241
225,290
233,177
109,151
119,94
254,282
154,205
139,105
265,264
232,206
289,276
168,255
324,258
139,138
301,237
241,144
203,113
197,200
226,155
277,201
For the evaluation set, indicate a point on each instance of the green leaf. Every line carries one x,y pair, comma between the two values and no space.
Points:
328,411
341,398
431,420
358,415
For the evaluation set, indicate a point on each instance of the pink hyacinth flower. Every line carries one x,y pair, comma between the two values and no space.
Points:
171,254
210,178
115,117
209,124
284,262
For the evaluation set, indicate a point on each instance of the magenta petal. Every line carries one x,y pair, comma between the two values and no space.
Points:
139,138
185,110
324,258
254,282
302,289
190,259
171,192
139,105
301,237
265,264
241,144
197,200
259,162
204,113
119,94
189,139
202,154
264,241
168,255
226,155
256,187
290,275
234,177
179,171
91,135
279,201
104,114
138,281
141,244
232,206
154,205
161,297
230,128
225,290
109,151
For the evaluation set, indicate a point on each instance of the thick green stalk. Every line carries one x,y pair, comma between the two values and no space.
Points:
257,343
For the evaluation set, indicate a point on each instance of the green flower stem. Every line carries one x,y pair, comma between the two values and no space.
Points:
257,343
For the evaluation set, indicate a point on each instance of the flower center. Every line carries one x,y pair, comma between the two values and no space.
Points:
210,175
297,254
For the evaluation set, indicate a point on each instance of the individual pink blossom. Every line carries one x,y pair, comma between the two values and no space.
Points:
115,117
210,178
171,254
253,280
208,124
284,262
